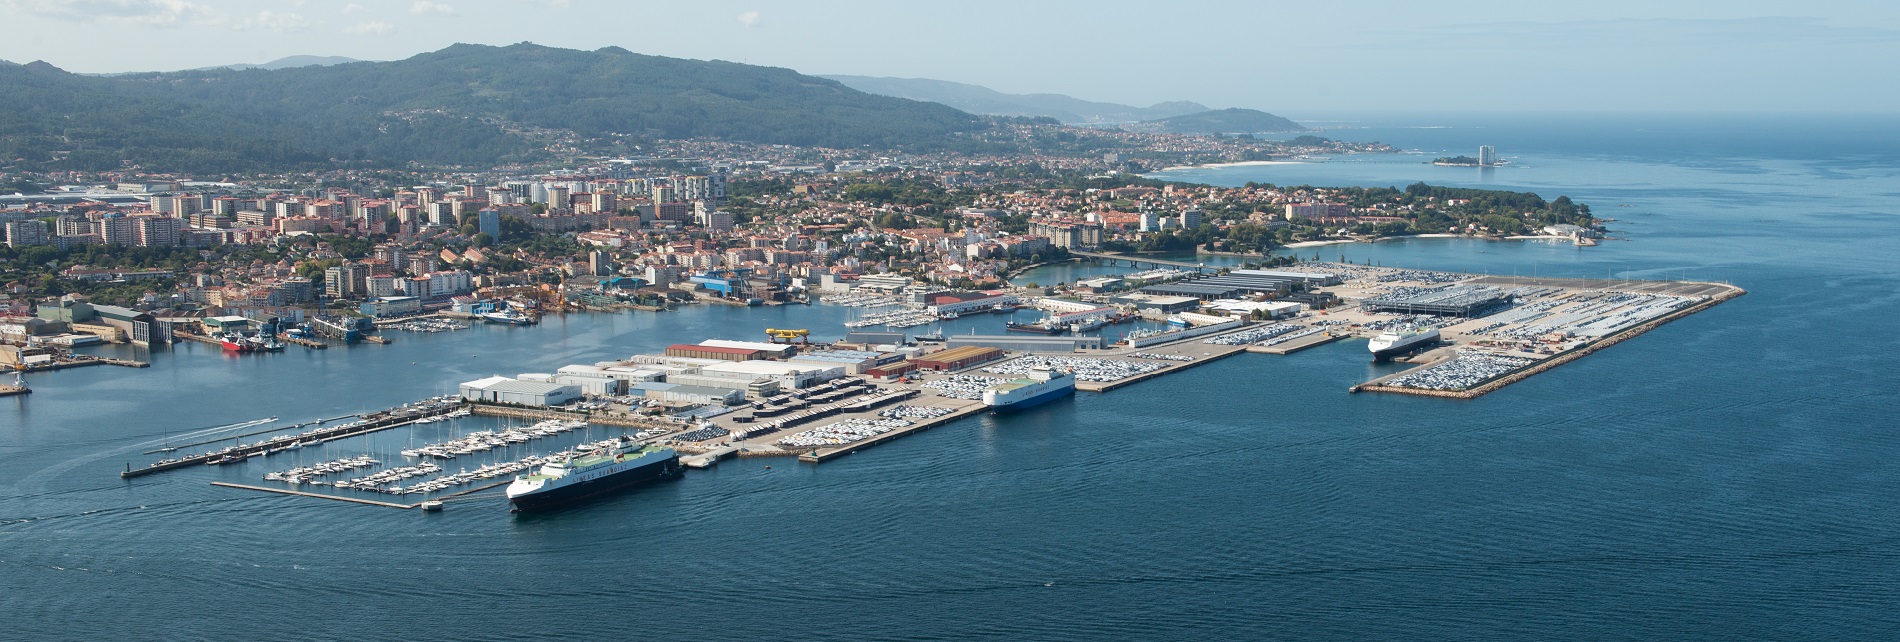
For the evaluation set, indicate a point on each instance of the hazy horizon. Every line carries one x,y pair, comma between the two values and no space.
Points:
1302,62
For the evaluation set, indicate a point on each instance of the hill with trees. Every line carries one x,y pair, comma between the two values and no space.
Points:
1221,121
463,105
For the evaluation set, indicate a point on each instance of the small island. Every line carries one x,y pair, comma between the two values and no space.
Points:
1487,157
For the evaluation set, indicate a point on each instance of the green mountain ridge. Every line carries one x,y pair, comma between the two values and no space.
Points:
465,104
978,99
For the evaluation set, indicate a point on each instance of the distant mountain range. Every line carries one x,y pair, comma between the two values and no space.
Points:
289,62
1222,121
466,104
977,99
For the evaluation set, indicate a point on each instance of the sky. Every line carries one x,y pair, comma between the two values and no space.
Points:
1300,59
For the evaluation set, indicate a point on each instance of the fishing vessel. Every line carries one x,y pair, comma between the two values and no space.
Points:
1039,386
622,464
1403,340
234,342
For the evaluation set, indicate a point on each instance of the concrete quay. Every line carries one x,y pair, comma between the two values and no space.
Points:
827,454
1717,293
1296,345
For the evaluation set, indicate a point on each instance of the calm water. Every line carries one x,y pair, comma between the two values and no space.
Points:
1729,475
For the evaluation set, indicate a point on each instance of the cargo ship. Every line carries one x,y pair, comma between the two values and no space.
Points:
1040,386
620,465
1401,341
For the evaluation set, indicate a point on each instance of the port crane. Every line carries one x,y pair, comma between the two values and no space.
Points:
786,337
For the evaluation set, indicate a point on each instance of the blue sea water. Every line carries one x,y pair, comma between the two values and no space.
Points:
1730,475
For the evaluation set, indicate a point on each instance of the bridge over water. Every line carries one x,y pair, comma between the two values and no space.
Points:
1140,261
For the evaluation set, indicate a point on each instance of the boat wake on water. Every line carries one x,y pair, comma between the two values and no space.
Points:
38,479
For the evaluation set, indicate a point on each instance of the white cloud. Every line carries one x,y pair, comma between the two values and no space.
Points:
749,19
157,13
562,4
425,6
353,8
272,21
370,28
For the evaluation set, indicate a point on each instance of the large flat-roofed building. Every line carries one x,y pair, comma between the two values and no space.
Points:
1311,279
1197,292
140,328
391,306
853,361
961,302
713,352
678,394
771,350
525,393
876,338
790,375
1164,304
1450,301
958,358
1024,343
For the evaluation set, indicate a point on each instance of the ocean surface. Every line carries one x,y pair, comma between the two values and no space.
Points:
1730,475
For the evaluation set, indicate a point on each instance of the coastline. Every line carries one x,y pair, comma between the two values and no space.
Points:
1302,244
1233,164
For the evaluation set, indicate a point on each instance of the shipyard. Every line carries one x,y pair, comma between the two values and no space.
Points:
691,405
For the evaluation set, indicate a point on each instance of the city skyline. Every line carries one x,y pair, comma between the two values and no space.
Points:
1297,61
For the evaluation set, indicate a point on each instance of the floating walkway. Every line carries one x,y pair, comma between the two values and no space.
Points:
320,436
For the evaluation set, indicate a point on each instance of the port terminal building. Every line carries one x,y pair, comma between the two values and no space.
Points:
500,389
1449,301
958,358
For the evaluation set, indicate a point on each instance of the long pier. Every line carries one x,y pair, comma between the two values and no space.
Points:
1495,383
318,422
821,456
1220,352
299,493
314,437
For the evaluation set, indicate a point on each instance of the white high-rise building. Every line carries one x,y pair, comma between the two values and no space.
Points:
1487,155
